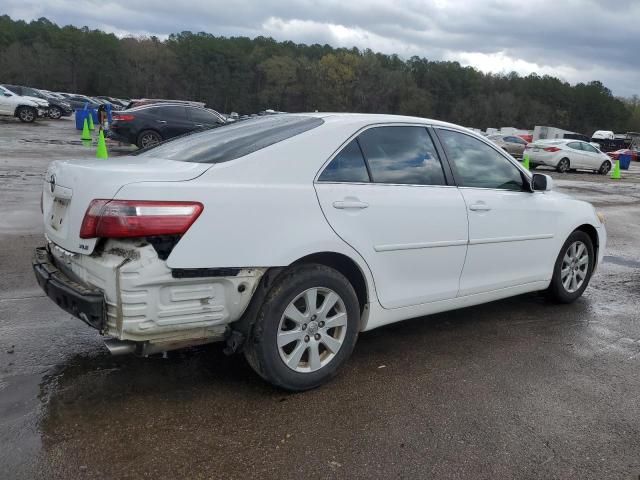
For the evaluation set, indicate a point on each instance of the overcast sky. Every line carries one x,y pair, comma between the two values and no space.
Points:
576,40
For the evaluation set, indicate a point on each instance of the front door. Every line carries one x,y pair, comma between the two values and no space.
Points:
511,229
592,157
578,157
385,194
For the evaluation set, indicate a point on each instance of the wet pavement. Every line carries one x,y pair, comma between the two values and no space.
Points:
518,388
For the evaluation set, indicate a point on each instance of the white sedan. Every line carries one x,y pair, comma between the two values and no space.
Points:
288,235
565,155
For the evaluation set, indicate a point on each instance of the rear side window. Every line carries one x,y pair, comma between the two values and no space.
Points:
401,155
347,166
234,141
575,145
200,115
174,112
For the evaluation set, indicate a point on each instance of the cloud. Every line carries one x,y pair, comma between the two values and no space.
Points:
577,40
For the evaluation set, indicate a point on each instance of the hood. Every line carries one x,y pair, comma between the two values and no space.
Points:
38,101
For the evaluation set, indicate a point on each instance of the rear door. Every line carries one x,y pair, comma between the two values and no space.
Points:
511,229
172,120
386,194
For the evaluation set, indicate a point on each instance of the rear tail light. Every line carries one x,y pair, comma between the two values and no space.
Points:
552,149
122,117
138,218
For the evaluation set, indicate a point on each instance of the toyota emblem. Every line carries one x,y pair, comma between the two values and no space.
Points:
52,183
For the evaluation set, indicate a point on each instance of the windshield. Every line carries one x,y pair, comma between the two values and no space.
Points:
234,141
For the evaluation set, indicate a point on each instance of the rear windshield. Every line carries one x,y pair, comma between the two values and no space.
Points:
235,140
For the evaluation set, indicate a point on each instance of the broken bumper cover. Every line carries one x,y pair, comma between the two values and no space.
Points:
86,304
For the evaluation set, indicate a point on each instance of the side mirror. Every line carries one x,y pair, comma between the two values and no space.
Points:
541,182
8,95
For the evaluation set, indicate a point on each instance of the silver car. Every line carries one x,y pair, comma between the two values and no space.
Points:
512,144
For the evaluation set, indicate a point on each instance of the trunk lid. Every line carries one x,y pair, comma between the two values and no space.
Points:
70,185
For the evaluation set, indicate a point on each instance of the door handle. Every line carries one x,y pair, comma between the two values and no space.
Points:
199,125
479,207
161,121
347,204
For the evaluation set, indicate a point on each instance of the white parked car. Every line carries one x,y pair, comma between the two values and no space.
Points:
565,155
12,105
288,235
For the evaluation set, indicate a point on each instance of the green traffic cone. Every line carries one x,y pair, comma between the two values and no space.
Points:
91,125
615,173
525,161
86,135
101,152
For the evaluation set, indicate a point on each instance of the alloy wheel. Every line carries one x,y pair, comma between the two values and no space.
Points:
148,140
27,115
563,166
312,330
575,265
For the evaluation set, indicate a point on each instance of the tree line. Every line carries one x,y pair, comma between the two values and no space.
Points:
248,75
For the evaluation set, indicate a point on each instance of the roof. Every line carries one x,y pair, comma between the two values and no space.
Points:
372,118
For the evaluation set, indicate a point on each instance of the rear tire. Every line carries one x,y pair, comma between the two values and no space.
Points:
573,268
563,165
605,167
148,138
27,114
297,344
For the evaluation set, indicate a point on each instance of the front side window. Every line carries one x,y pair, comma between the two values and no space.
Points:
401,155
589,148
348,166
477,164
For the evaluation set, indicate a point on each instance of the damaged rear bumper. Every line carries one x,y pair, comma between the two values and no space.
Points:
130,294
85,303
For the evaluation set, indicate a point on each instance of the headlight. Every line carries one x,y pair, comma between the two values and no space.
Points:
600,216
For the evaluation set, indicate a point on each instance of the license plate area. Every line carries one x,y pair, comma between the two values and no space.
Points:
58,210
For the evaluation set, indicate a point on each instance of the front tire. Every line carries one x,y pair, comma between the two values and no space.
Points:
306,328
55,113
563,165
27,114
573,268
605,167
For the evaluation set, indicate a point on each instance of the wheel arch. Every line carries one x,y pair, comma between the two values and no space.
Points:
242,328
22,105
593,235
347,267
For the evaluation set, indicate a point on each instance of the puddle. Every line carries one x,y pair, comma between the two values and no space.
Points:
623,262
51,142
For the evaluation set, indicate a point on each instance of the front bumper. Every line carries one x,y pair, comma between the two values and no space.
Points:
84,303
